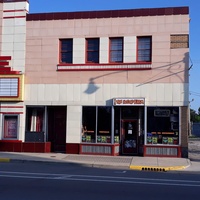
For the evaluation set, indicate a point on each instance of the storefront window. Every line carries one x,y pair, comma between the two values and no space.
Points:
104,125
96,124
35,119
117,125
163,125
89,124
10,127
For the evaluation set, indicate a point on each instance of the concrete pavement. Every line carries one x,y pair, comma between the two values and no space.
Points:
131,162
191,164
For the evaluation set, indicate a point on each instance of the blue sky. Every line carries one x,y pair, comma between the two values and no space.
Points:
38,6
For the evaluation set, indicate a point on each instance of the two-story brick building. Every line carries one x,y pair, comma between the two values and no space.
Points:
109,82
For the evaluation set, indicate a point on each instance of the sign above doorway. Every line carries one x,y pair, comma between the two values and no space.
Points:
128,101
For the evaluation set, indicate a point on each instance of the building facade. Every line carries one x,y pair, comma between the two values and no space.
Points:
97,82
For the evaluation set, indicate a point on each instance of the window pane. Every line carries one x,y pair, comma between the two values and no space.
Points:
104,125
66,57
117,125
67,45
144,49
93,44
163,125
93,50
116,56
66,50
116,50
35,120
89,124
93,57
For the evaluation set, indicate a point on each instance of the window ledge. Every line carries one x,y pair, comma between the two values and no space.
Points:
93,67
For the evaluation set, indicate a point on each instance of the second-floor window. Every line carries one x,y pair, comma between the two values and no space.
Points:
92,50
144,48
116,50
66,50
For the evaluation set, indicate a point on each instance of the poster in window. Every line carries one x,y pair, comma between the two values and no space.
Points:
10,126
170,140
154,140
149,140
83,138
116,139
88,138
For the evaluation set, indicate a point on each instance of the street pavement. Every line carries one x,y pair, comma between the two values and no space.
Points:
190,164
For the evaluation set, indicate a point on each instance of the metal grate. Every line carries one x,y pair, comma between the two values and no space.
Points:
167,151
96,149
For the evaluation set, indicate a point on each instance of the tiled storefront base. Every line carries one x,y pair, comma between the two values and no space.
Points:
19,146
162,151
93,149
88,149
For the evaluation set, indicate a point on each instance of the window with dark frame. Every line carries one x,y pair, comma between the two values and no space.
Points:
116,50
66,50
163,125
92,50
35,119
94,129
144,49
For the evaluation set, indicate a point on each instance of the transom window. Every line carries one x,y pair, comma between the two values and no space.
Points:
66,49
144,49
92,50
116,50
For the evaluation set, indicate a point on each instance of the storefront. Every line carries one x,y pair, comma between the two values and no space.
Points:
136,128
47,125
120,126
96,85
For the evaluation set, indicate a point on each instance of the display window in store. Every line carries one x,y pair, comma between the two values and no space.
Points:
96,124
35,119
163,125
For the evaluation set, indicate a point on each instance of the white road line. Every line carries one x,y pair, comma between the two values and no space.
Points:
103,180
111,179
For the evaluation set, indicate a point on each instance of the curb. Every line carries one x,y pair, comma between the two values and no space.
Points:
158,169
4,159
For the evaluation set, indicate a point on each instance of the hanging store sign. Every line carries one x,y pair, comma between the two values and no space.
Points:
128,102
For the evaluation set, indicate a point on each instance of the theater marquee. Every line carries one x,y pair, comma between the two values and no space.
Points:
11,87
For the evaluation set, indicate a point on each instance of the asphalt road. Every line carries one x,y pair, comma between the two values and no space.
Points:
55,181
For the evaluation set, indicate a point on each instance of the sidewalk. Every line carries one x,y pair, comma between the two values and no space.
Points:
126,162
130,162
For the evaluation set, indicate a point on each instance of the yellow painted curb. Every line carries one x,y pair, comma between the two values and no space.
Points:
4,159
153,168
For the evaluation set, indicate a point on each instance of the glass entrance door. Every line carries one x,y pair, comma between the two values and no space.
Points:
129,137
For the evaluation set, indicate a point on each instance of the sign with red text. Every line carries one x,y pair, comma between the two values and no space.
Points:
128,102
